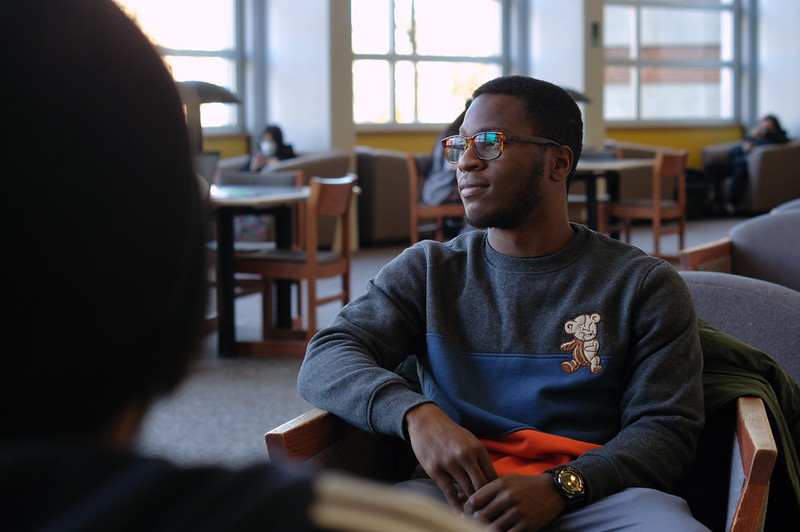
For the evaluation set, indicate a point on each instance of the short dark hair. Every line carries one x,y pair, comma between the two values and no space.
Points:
103,223
276,133
550,109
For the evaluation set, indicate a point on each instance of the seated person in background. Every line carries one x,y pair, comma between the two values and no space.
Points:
271,149
106,292
768,131
560,369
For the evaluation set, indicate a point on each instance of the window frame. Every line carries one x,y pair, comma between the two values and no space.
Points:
236,55
503,60
740,57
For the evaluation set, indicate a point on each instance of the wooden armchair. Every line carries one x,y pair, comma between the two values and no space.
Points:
320,439
323,440
330,197
667,215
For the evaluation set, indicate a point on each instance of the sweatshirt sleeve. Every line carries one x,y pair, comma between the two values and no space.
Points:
662,402
349,366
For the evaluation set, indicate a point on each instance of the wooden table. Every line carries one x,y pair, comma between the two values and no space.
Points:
591,170
227,202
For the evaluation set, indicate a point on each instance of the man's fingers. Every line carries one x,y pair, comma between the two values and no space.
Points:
448,487
487,467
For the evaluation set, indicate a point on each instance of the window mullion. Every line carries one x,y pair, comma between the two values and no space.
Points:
392,63
637,51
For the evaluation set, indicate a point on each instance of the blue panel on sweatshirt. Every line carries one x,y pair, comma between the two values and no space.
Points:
496,393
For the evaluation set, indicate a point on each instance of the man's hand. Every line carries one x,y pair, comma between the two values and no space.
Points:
448,453
517,502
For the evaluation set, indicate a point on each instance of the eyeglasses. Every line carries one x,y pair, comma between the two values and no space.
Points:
488,145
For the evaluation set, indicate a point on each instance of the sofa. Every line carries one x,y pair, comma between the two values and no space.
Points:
383,206
323,163
774,173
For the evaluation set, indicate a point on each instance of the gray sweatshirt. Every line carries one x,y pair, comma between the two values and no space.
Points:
597,342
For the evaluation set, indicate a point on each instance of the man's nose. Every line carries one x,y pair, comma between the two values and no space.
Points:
470,160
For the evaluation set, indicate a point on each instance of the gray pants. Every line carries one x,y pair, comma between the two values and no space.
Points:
633,509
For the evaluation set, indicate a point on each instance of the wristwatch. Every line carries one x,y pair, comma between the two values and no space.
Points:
569,484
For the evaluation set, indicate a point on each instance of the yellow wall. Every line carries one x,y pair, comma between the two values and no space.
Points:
227,145
691,138
413,142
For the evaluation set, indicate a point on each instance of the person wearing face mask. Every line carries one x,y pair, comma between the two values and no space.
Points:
271,149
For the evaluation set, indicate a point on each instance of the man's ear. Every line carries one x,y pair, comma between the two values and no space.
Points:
562,163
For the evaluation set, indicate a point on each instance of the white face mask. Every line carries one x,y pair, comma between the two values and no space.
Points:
267,148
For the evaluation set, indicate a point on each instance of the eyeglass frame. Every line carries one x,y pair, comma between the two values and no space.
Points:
504,137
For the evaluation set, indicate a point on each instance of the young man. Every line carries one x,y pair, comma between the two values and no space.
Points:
560,369
105,288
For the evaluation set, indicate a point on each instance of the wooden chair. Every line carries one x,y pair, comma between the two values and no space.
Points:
320,439
764,247
754,311
330,197
576,210
427,219
247,284
658,209
754,456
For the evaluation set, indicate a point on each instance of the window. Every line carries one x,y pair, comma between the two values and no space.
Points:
197,39
413,63
670,60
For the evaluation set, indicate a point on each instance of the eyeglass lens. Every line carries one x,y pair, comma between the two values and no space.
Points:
487,146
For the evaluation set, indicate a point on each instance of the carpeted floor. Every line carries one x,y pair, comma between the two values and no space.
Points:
220,414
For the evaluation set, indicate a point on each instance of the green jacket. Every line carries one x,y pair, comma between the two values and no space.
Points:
733,369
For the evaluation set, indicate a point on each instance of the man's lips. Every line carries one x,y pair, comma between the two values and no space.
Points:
469,188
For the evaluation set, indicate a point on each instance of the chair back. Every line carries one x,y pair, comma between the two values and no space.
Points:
752,310
791,205
330,197
669,173
768,247
383,200
282,178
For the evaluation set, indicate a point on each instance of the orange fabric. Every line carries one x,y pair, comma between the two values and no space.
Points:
529,452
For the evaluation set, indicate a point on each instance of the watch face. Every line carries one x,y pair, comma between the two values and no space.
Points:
571,482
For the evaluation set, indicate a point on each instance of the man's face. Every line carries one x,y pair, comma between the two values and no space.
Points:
504,192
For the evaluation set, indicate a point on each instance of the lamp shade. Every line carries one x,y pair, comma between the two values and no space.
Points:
194,93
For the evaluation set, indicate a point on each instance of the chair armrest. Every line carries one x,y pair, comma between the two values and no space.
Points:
306,435
322,440
756,457
713,256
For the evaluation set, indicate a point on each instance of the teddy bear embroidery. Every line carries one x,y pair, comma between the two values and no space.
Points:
584,346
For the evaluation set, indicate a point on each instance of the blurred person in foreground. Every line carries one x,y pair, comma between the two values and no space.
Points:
105,295
560,369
